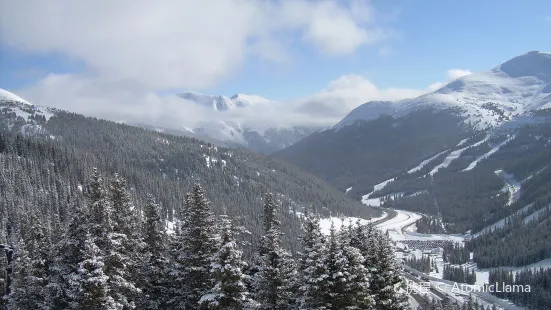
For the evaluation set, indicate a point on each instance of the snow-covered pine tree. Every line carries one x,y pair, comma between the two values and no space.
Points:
177,242
153,274
312,270
334,262
121,259
229,291
357,286
199,238
33,257
348,280
386,279
124,217
358,236
28,279
274,280
100,223
67,254
90,282
365,239
268,216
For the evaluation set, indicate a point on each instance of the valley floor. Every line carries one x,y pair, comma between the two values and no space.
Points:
401,228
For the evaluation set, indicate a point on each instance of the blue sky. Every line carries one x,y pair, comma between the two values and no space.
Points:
104,55
434,36
431,37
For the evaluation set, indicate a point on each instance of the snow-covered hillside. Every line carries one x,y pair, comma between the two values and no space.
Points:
485,99
22,107
19,114
225,128
223,103
6,96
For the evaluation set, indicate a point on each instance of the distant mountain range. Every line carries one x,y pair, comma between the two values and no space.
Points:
223,103
153,162
485,99
445,153
226,131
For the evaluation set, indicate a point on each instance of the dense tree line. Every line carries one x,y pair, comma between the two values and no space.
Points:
517,243
361,156
459,274
449,304
454,191
53,157
430,224
537,297
456,254
110,256
424,263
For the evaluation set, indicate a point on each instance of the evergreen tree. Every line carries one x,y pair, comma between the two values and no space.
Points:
386,278
67,254
121,259
199,241
370,246
274,280
270,209
179,285
229,291
153,275
27,291
31,267
313,272
124,217
347,286
357,288
90,283
100,223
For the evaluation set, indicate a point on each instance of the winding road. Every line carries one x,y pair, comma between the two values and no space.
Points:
396,228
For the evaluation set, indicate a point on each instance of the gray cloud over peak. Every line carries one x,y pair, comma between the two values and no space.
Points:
130,102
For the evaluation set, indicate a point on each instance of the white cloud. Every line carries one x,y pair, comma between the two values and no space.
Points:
129,102
183,43
114,101
131,49
452,75
548,18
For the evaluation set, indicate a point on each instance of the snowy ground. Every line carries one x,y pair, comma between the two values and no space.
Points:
395,225
455,154
511,185
545,264
398,228
501,222
375,202
489,153
426,161
325,224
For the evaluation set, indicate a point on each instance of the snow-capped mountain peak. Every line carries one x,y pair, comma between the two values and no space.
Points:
532,64
227,128
8,96
484,99
218,103
223,103
245,100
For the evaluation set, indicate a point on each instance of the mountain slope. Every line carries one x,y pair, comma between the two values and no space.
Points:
470,168
6,96
369,152
367,147
484,99
237,129
167,166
